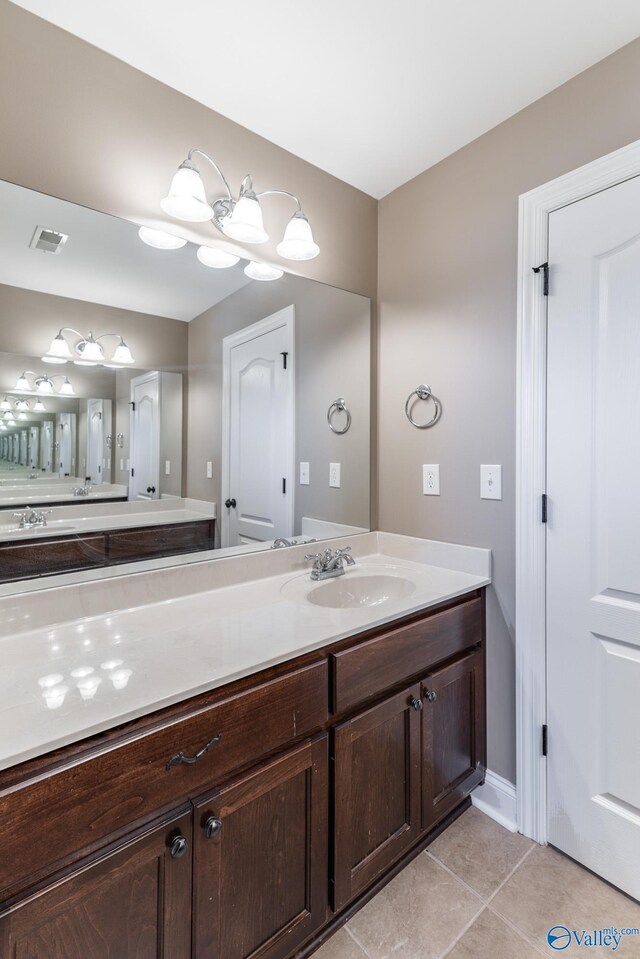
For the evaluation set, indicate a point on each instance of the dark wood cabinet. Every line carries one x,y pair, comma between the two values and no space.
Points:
377,791
453,747
289,817
260,870
130,902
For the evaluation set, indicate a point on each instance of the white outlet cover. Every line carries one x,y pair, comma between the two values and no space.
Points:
304,474
167,467
334,475
431,479
209,469
491,481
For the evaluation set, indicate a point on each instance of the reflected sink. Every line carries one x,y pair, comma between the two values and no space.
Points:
41,530
345,592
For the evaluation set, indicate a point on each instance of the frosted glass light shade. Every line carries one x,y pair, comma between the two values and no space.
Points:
186,199
22,405
160,240
44,385
122,354
39,407
298,242
5,405
22,383
67,389
89,352
262,271
59,351
217,259
22,416
245,222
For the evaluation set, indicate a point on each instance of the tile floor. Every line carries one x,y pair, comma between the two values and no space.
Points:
481,892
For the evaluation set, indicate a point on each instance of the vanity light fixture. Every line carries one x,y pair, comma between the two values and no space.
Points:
88,350
240,219
42,384
262,271
160,240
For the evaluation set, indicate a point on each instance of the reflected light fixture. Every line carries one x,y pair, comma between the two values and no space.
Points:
262,271
5,405
39,407
215,258
160,240
88,350
42,384
238,218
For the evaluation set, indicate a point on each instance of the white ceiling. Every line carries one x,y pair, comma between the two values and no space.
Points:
104,261
370,90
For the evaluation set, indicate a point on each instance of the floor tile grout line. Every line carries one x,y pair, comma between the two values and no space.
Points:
474,892
356,940
520,932
511,874
463,932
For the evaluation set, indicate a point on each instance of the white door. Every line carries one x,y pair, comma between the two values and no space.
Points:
46,446
66,444
145,437
24,447
95,440
257,467
34,443
593,534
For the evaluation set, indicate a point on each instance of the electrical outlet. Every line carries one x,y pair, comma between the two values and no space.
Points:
334,475
491,482
304,474
431,479
167,467
209,469
121,465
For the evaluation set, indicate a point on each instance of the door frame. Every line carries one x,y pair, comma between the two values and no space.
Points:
284,317
531,467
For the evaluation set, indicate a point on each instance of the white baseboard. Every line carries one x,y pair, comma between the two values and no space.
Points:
497,799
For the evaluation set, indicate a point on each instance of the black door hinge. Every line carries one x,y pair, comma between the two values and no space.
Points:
284,485
544,269
545,740
284,360
543,511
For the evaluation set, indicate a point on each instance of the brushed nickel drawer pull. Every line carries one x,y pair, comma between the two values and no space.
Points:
190,760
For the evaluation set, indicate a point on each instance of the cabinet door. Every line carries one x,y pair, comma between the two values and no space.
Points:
132,902
453,735
377,791
261,859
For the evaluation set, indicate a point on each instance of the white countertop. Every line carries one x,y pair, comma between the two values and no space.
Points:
83,517
65,679
38,492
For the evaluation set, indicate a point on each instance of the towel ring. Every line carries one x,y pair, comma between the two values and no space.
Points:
338,406
424,393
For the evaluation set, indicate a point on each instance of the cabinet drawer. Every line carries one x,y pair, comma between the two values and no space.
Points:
371,667
75,808
21,560
159,541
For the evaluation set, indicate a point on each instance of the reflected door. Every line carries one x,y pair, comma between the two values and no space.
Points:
66,442
145,437
593,533
34,442
46,446
24,447
257,470
95,440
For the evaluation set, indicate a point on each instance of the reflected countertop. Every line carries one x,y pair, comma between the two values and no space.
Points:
67,676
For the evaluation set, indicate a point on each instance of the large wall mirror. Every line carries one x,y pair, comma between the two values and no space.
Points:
154,406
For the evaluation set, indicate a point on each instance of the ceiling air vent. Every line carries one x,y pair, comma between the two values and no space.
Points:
49,241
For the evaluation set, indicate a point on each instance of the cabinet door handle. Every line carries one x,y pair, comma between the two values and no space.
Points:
180,758
212,827
416,704
431,695
178,847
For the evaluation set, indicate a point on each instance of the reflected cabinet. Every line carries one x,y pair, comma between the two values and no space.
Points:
139,844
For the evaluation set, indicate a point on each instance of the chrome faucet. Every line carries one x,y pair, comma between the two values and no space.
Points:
281,542
329,564
81,490
31,518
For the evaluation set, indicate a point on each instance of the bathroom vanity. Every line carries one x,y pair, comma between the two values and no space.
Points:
255,808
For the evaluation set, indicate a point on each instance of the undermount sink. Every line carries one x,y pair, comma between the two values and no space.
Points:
41,530
354,592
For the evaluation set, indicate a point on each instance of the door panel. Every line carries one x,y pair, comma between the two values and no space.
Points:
593,534
134,903
261,880
453,736
377,792
145,438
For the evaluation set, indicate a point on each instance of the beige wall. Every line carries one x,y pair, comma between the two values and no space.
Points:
79,124
447,302
332,341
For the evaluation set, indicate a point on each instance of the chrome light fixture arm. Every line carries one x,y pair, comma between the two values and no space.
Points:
213,163
281,193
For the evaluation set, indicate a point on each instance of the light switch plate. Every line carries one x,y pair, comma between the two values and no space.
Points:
334,475
491,481
431,479
167,467
304,474
209,469
121,465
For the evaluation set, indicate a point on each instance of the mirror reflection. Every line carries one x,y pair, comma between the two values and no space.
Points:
157,401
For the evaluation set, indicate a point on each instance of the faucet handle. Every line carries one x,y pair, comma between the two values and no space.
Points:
341,550
317,558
